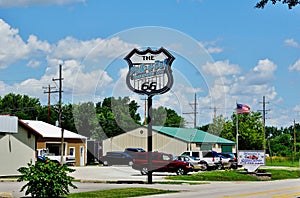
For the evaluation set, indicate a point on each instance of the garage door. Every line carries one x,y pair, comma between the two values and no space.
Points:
227,148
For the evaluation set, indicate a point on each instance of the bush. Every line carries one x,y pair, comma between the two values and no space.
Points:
46,179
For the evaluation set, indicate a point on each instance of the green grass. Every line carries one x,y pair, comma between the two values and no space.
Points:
236,176
121,192
282,161
283,174
215,176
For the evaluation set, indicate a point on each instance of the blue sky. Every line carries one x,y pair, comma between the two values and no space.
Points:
226,52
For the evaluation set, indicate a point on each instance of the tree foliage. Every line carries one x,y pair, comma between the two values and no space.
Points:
46,179
163,116
217,126
117,116
85,119
289,3
21,106
250,130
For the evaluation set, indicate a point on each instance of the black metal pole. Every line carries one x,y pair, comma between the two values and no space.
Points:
149,139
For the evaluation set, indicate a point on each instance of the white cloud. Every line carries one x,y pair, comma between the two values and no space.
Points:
295,66
90,50
214,50
291,42
25,3
211,46
34,63
69,52
13,48
221,68
262,73
265,66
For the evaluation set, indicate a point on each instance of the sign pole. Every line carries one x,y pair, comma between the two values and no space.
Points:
149,139
149,73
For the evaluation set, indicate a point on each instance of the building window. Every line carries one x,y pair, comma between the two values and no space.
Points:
72,151
55,148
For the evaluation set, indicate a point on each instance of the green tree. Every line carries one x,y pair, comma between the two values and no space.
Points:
282,145
85,119
217,126
163,116
21,106
46,179
117,116
290,3
43,115
250,129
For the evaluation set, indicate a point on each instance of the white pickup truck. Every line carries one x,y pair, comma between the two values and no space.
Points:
67,159
208,160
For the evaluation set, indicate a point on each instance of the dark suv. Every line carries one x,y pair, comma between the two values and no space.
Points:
232,161
116,158
132,151
161,162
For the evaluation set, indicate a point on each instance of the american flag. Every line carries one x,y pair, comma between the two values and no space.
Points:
242,108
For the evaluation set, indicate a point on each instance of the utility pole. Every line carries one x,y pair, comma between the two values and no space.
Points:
49,92
215,111
264,123
194,106
145,111
294,140
60,113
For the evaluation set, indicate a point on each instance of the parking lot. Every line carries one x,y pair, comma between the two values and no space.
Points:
113,173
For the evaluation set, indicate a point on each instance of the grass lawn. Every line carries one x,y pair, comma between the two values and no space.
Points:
233,175
282,161
121,192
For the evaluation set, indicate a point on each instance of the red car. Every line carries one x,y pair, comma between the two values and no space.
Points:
161,162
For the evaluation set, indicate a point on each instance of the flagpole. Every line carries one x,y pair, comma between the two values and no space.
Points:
237,130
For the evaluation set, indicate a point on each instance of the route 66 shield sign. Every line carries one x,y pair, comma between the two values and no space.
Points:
149,71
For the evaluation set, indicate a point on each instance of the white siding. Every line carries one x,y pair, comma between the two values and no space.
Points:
138,138
8,124
16,150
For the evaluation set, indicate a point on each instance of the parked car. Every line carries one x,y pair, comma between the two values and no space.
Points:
232,161
161,162
132,151
116,158
209,160
191,159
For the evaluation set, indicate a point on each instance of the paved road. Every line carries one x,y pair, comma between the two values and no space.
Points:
93,178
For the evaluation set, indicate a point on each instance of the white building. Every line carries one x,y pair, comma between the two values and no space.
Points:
170,140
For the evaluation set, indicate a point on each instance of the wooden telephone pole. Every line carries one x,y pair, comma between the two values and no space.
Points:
49,104
60,116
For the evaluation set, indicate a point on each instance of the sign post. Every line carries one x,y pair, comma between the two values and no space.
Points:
149,74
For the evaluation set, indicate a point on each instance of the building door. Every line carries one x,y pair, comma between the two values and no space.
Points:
81,155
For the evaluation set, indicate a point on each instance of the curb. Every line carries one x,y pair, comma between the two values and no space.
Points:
5,195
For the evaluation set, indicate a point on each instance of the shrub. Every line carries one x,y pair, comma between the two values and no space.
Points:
46,179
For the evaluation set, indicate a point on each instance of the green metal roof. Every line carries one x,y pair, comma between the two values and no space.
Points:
191,135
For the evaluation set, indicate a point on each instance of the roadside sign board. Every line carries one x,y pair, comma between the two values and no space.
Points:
251,159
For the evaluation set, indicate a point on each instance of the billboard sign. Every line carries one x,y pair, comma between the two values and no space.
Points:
251,157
